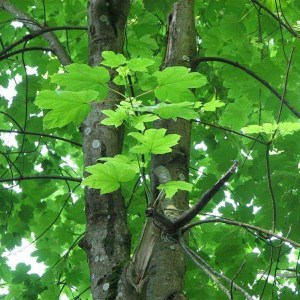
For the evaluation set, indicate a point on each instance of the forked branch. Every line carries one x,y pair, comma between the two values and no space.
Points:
174,226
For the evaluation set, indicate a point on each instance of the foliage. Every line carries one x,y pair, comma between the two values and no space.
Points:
234,117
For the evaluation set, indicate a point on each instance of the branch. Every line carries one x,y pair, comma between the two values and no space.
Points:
266,232
287,27
5,56
189,214
53,41
206,270
201,261
40,135
214,275
37,33
230,131
173,226
198,60
38,177
233,284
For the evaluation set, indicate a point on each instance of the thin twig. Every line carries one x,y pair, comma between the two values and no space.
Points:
270,186
40,135
38,33
288,28
16,52
230,131
243,225
198,60
207,271
41,177
284,90
232,284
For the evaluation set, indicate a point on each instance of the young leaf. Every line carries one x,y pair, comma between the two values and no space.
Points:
115,117
154,141
108,176
175,82
172,187
65,107
138,121
81,77
112,59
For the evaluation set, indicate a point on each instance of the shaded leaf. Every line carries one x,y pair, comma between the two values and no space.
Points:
175,84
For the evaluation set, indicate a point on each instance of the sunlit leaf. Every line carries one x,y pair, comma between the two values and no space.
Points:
65,107
154,141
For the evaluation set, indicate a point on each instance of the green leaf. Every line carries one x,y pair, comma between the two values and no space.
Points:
138,121
139,64
81,77
52,293
123,159
154,141
269,128
141,45
175,84
172,187
289,127
108,176
65,107
182,110
212,105
159,7
111,59
241,108
115,117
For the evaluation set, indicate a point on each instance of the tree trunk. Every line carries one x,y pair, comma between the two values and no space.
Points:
166,269
107,240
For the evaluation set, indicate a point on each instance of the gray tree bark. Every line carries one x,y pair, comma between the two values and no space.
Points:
162,258
158,269
107,240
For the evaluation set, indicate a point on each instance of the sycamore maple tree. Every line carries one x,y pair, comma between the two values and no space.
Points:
151,149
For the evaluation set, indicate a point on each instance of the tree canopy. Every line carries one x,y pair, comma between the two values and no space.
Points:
239,91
